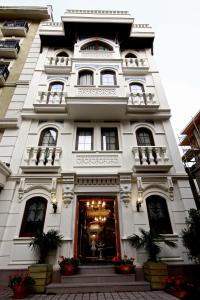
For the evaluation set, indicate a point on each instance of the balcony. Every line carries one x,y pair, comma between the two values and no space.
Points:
151,159
57,65
85,102
15,28
142,102
50,102
9,48
42,159
135,65
3,74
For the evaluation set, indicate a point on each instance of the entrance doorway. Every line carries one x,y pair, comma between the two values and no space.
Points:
97,229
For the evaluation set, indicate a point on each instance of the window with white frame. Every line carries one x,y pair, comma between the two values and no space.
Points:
109,139
84,139
85,78
108,77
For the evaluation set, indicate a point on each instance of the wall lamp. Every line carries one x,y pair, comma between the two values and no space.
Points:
139,201
54,203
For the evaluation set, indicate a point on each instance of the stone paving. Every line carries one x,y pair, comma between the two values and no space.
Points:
6,294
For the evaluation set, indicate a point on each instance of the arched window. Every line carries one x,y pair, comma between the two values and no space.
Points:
130,55
55,92
85,78
48,137
96,46
144,137
34,216
137,93
46,152
108,77
158,214
145,141
62,54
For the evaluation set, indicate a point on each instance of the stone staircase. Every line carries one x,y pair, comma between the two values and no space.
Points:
98,279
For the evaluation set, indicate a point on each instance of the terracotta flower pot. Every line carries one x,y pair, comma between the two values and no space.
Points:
125,269
182,294
20,291
68,270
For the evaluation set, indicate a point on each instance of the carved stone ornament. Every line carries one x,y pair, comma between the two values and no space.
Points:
21,189
170,188
68,190
140,189
53,190
125,189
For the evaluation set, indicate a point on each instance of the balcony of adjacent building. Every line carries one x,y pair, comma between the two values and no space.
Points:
15,28
4,173
42,159
4,72
141,100
9,48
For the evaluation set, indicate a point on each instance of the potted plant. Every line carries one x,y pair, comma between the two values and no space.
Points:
191,235
154,270
42,243
124,266
68,266
20,283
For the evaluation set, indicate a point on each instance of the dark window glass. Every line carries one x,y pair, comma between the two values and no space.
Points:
108,78
48,137
159,220
144,137
34,215
130,55
109,139
62,54
85,78
137,88
84,139
97,45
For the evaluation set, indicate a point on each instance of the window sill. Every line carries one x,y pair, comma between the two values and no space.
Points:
79,85
107,86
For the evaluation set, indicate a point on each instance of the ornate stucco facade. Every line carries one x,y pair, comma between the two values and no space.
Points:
93,126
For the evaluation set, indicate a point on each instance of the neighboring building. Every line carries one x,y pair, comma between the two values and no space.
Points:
191,148
94,155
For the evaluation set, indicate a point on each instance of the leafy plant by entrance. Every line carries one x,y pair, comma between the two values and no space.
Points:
42,243
150,241
191,235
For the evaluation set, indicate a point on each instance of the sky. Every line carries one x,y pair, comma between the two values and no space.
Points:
176,48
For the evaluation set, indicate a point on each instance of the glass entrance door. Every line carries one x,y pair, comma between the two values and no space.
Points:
97,229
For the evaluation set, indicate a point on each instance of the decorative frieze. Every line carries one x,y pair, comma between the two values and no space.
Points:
93,91
100,160
97,181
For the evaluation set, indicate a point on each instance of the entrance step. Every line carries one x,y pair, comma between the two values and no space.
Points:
71,288
100,278
95,270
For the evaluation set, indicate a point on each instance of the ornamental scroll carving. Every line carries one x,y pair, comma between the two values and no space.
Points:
97,160
125,189
68,190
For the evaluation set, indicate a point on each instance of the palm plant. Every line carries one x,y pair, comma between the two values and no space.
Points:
150,241
45,242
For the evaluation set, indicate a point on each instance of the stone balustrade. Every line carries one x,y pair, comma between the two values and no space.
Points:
135,62
58,61
43,156
150,155
51,97
143,99
96,54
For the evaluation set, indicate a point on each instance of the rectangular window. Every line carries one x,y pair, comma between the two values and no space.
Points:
84,139
109,139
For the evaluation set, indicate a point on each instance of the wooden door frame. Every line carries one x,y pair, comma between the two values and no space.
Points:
116,214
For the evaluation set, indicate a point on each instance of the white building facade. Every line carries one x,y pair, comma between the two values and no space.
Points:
94,154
